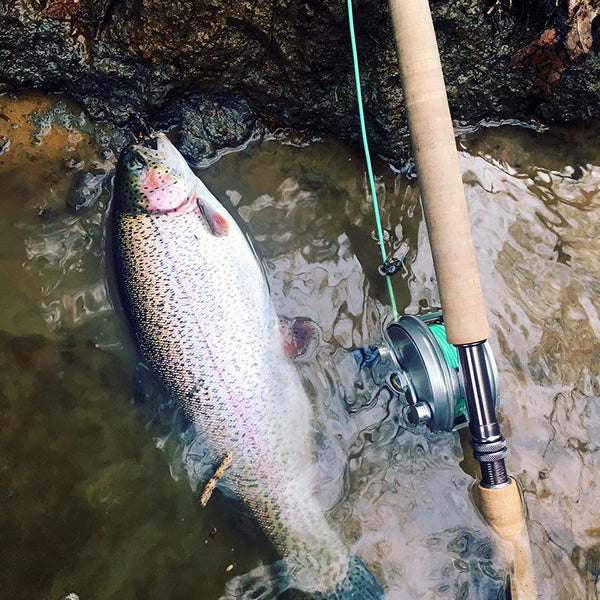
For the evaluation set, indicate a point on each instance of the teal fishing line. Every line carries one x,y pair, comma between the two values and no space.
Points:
363,128
448,350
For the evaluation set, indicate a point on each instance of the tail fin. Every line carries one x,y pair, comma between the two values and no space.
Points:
273,582
359,584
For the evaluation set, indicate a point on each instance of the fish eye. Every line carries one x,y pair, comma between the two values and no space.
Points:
136,163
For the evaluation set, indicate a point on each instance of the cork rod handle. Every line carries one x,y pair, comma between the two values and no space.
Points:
440,178
503,510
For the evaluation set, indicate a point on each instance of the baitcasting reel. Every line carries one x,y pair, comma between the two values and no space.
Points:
421,364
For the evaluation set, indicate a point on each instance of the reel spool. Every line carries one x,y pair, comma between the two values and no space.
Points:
428,374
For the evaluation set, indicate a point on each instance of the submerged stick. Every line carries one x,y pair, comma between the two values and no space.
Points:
209,488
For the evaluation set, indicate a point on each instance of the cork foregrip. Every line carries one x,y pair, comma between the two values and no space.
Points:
440,179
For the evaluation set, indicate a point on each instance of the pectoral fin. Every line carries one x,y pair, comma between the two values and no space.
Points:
218,223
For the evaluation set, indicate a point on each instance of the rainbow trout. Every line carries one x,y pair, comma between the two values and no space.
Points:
199,307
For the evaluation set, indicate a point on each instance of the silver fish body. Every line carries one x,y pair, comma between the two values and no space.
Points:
200,310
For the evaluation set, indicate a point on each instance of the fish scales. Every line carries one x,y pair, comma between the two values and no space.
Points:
204,323
239,401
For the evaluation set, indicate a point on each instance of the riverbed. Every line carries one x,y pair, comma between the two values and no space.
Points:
100,473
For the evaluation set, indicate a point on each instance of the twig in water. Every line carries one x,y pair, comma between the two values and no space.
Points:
209,488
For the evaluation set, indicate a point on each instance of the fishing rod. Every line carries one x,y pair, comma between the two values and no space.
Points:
463,307
442,363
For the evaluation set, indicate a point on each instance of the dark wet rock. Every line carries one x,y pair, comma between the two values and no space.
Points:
207,123
219,69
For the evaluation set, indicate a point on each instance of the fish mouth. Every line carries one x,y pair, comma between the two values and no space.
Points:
167,184
156,149
166,147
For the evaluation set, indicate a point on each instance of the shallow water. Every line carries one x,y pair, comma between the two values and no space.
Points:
98,472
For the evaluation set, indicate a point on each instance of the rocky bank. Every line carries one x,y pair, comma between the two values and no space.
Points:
221,70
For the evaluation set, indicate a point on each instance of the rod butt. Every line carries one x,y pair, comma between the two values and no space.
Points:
502,508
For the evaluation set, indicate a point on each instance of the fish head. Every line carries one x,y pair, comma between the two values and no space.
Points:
159,181
153,180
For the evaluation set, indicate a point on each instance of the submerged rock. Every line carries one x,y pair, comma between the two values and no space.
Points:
218,69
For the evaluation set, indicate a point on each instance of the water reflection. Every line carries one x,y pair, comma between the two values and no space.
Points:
100,500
